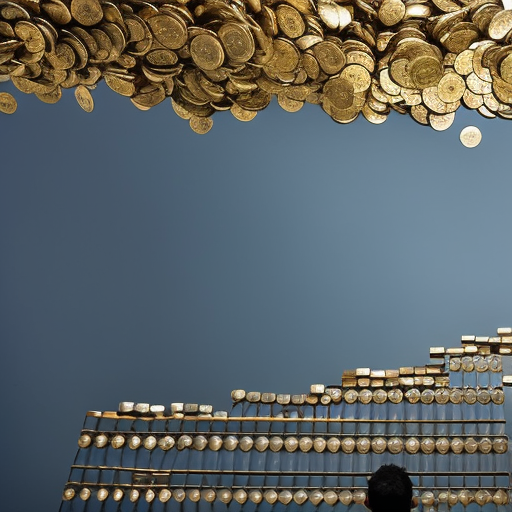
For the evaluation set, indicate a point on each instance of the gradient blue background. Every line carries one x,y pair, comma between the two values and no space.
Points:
140,261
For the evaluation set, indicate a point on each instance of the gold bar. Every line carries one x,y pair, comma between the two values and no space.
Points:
504,331
467,339
283,399
391,374
205,409
349,382
418,381
392,383
268,398
378,374
317,389
190,408
457,351
298,399
482,339
428,381
433,369
436,351
507,380
377,383
348,373
505,351
363,383
506,340
363,372
406,381
470,349
253,396
420,370
484,350
406,370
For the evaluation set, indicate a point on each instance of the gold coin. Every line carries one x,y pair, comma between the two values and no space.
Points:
181,111
84,98
207,52
119,85
58,11
477,85
372,116
237,41
391,12
86,12
470,136
358,76
201,125
441,122
425,71
339,92
451,87
50,97
464,62
420,114
241,114
290,21
30,34
169,30
501,25
460,37
285,58
330,57
506,68
8,104
289,104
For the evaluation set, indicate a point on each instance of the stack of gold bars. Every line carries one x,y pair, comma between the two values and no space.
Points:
424,58
448,423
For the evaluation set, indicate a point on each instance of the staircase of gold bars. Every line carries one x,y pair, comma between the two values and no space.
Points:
424,58
447,422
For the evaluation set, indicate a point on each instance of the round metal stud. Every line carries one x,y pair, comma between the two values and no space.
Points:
134,495
194,495
468,365
270,496
200,443
150,495
363,445
330,497
150,442
395,395
428,498
305,444
179,495
261,443
346,498
470,445
230,443
412,445
300,497
118,494
215,443
184,442
483,396
497,396
428,445
457,445
291,444
485,445
85,494
350,396
379,445
134,442
333,444
413,395
225,495
442,396
68,494
84,440
348,445
319,444
365,396
164,495
359,497
455,364
427,396
117,441
470,396
285,497
395,445
443,445
276,443
379,396
256,496
456,396
316,497
246,443
166,443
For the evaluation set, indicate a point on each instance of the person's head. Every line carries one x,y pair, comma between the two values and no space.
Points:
390,490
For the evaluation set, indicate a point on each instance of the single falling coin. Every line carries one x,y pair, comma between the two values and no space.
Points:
84,98
470,136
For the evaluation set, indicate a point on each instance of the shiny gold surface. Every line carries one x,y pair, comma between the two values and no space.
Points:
425,59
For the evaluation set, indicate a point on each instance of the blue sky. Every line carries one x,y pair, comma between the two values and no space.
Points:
140,261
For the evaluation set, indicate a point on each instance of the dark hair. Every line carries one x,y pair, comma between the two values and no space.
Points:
390,490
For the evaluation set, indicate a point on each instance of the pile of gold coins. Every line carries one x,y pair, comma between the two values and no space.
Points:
424,58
